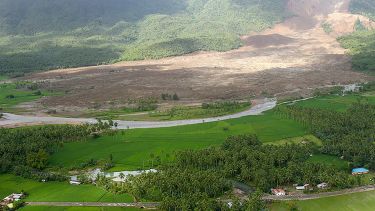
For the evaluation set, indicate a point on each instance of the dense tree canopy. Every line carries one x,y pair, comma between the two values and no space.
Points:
197,176
25,151
350,134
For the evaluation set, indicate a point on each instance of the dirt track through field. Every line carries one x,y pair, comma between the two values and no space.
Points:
292,58
11,120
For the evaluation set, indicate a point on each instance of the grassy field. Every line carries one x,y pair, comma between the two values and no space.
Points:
352,202
19,95
178,112
134,148
46,208
338,103
297,140
331,160
56,191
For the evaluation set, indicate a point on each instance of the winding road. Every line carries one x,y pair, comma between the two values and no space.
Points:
20,120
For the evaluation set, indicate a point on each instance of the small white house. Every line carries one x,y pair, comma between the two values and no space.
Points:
322,185
304,187
74,180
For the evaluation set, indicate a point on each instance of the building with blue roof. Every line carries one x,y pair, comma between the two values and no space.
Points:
359,171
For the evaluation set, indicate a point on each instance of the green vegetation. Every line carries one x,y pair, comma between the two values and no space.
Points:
349,134
327,28
363,7
12,94
197,176
25,151
358,26
135,149
362,47
357,201
56,191
57,34
137,112
46,208
206,110
362,42
3,77
298,140
330,160
336,102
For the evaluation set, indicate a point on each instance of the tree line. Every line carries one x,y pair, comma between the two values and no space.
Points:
25,151
350,134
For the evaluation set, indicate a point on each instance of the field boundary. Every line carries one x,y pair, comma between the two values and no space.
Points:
303,197
146,205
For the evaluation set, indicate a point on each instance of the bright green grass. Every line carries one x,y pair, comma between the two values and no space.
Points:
337,103
56,191
133,149
298,140
331,160
178,112
352,202
47,208
21,95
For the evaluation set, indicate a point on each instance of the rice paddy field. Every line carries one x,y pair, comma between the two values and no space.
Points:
133,149
56,191
336,102
364,201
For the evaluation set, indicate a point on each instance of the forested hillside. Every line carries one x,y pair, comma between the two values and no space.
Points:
362,42
363,7
48,34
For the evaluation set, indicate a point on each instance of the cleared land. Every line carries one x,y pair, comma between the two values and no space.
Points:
56,191
292,58
357,201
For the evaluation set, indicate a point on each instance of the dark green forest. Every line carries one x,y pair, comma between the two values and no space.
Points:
361,44
363,7
47,34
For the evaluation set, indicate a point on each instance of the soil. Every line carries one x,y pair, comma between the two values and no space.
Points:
291,59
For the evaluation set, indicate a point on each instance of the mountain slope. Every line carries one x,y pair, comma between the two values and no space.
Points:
48,34
361,43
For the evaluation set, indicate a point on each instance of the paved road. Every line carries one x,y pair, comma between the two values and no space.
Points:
14,120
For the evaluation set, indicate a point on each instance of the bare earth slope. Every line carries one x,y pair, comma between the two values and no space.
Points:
292,58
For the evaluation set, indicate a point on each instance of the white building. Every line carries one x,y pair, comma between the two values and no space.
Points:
322,185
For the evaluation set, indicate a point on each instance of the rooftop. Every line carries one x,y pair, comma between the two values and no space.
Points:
359,170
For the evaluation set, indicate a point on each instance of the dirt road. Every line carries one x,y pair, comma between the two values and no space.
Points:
11,120
294,57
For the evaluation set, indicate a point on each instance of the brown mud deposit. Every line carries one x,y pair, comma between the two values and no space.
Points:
292,58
